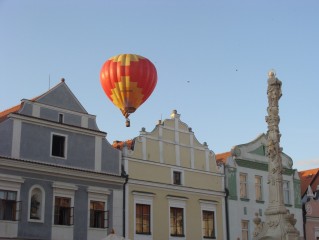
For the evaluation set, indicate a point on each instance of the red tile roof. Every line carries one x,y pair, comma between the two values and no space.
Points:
222,157
6,112
308,177
120,144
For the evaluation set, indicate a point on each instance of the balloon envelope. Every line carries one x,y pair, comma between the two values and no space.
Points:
128,80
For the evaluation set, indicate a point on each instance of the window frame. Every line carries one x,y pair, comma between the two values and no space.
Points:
286,192
98,194
69,209
245,230
244,185
176,202
12,183
205,221
104,216
181,177
61,118
176,211
209,206
67,190
65,145
148,219
259,188
143,198
10,215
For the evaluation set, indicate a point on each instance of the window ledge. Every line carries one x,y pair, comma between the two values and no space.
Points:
35,220
10,221
244,199
62,226
260,201
97,229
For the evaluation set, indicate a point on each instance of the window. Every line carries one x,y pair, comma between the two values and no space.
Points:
177,180
143,214
60,118
244,230
98,215
63,213
58,148
243,185
208,209
208,224
143,219
177,221
258,188
8,205
286,192
36,204
260,212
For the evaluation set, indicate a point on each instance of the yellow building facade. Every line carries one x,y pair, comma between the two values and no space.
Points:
175,189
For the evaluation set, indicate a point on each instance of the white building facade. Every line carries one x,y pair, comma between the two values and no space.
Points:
246,170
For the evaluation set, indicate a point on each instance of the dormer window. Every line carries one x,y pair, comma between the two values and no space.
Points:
61,118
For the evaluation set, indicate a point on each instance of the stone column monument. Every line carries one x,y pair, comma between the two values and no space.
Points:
279,224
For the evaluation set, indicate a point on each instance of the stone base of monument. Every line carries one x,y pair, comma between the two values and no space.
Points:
279,226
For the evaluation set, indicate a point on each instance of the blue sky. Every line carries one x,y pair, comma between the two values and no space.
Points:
212,59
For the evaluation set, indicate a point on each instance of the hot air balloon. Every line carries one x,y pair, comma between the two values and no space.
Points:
128,80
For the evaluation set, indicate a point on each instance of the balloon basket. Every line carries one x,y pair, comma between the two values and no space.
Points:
127,123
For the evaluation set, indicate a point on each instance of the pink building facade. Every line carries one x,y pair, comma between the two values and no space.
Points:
310,200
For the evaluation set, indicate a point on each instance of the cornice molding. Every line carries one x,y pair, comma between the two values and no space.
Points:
59,109
171,166
259,166
177,188
202,148
11,178
140,193
59,171
48,123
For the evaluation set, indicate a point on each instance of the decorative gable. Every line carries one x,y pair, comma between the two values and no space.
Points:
260,150
172,142
256,152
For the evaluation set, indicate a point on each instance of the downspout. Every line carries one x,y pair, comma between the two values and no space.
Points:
124,198
226,201
304,213
126,176
226,212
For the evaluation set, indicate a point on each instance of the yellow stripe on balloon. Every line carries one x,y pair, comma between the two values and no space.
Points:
122,94
125,59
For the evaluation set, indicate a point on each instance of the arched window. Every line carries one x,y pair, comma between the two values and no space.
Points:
36,203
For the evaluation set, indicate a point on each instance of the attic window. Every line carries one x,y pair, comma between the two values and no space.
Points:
177,178
60,118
